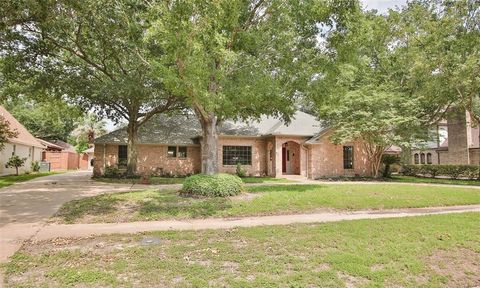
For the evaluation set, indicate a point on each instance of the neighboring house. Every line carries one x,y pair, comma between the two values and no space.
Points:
63,156
171,146
457,143
87,159
25,145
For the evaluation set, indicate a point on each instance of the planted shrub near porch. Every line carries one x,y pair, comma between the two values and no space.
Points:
217,185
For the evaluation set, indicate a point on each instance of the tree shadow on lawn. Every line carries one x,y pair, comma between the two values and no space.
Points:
97,205
174,205
282,188
142,205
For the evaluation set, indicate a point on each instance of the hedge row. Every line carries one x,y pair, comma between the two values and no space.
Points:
452,171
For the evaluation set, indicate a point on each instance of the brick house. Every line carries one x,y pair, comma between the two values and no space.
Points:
171,146
457,143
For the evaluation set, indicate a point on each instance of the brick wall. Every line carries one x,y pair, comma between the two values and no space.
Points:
475,156
326,160
151,158
433,152
458,140
259,155
322,159
155,158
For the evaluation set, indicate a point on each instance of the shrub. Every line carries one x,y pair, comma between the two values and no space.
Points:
388,161
408,170
473,173
15,162
452,171
217,185
35,166
240,171
112,172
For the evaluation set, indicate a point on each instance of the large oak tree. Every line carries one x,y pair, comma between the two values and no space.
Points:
92,52
234,59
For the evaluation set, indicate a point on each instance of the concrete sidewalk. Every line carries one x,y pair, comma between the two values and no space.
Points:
84,230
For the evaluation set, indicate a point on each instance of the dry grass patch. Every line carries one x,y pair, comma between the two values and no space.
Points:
459,266
427,251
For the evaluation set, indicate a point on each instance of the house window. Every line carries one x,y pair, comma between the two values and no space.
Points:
172,151
347,157
422,158
416,158
233,155
14,150
182,152
429,158
122,156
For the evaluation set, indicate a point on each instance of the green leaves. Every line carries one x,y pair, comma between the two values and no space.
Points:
236,59
5,132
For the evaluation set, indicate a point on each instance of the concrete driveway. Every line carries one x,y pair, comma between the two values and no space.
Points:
25,206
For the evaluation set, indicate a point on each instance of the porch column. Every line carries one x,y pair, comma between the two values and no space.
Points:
278,157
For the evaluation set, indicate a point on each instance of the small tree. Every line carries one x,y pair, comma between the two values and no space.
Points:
16,162
379,119
5,132
90,127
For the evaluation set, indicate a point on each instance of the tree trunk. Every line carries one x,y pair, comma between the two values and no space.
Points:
16,170
209,144
374,154
132,155
478,127
406,155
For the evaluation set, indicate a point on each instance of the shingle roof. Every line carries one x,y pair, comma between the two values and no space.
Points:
302,124
24,137
161,129
49,144
185,129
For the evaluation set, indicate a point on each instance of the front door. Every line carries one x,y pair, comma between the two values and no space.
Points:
289,162
287,165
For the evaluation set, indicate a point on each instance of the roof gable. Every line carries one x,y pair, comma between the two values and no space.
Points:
24,137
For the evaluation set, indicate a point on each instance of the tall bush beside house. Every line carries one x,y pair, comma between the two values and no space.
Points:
388,161
15,162
35,166
216,185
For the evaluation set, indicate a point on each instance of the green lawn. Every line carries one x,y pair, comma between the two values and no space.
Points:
11,179
179,180
261,200
413,179
427,251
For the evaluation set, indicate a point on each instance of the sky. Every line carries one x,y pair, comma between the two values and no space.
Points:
381,5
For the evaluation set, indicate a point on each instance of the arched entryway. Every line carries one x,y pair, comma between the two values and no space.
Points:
290,158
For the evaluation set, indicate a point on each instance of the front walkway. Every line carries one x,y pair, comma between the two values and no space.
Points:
85,230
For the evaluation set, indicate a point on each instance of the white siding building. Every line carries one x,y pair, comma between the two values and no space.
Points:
24,146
